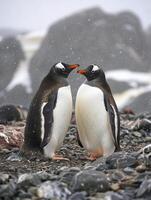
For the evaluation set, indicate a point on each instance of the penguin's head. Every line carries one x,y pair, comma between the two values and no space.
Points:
63,69
92,72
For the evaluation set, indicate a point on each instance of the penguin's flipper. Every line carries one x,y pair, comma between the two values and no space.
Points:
48,118
112,110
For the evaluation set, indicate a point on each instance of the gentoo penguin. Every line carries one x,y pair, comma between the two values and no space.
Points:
12,113
97,115
50,112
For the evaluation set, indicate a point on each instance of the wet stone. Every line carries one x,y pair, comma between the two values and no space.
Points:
4,178
34,179
144,189
78,196
67,175
145,124
142,176
147,155
90,181
116,175
26,180
113,196
23,194
7,190
141,168
129,170
137,134
121,160
53,190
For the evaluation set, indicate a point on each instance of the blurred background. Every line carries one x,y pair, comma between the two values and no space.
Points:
116,35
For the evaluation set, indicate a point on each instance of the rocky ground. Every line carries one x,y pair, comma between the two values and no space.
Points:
125,175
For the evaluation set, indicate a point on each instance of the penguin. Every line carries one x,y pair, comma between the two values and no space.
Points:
97,115
50,112
12,113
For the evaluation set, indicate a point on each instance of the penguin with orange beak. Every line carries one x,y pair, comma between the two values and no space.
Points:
97,115
50,112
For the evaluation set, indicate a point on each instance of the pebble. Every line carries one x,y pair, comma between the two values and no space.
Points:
144,189
90,181
78,196
141,168
121,160
7,190
4,178
113,196
137,134
52,190
123,175
129,170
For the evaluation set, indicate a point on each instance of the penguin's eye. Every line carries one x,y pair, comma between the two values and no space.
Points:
63,69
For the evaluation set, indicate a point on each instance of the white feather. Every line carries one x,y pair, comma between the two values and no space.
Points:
42,121
61,116
60,66
93,120
95,68
115,120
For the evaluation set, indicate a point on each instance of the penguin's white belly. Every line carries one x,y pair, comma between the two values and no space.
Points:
61,120
93,120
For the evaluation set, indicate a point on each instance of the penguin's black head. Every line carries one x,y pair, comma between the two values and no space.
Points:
63,69
92,72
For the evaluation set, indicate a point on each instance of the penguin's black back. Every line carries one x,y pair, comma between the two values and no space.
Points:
32,135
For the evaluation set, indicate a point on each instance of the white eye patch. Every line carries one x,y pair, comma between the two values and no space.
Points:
60,66
95,68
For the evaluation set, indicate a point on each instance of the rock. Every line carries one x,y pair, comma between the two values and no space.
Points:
11,139
9,113
26,180
11,54
78,196
98,196
11,58
144,189
137,134
7,190
116,175
145,124
148,139
115,47
15,157
2,128
90,181
141,177
118,38
120,160
69,174
33,179
141,168
24,194
129,170
53,190
101,167
147,155
113,196
115,187
4,178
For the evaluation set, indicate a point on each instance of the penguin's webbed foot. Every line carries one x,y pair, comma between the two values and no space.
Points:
94,155
59,157
91,157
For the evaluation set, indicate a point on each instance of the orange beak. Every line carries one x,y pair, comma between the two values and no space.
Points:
81,71
74,66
